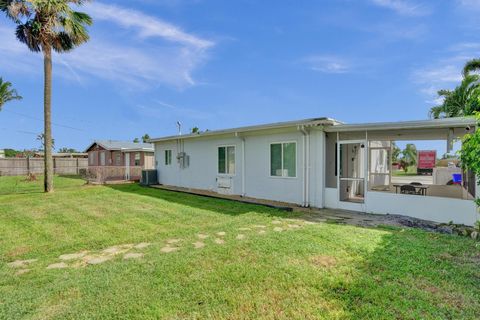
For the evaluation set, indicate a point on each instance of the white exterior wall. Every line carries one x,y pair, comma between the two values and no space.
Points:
202,171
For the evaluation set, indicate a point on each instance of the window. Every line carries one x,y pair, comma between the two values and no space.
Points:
137,158
102,158
91,156
226,160
283,159
168,157
118,159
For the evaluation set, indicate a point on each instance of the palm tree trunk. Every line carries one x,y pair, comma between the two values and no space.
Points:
47,104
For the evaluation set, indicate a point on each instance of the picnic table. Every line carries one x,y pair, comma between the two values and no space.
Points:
419,189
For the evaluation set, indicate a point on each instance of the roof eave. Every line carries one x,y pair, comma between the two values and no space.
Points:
280,125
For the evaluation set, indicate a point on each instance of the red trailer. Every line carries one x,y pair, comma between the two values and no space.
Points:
426,161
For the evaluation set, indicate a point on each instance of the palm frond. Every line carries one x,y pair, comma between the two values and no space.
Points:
27,34
470,66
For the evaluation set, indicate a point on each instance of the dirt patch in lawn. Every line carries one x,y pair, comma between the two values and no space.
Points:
444,295
18,251
323,261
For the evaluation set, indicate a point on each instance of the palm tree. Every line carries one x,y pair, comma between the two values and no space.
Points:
7,93
464,100
472,65
409,155
46,25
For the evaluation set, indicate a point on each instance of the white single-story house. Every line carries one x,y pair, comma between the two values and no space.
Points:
320,163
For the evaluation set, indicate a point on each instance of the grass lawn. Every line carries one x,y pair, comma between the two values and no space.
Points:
305,271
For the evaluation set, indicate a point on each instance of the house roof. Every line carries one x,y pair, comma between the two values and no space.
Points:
276,125
122,145
331,125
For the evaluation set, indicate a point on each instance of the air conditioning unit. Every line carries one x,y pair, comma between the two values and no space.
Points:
224,185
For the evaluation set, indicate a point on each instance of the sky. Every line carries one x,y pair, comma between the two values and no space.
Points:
217,64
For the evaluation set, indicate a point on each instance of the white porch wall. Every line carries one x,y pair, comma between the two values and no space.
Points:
437,209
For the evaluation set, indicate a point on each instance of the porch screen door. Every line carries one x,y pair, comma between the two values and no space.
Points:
352,171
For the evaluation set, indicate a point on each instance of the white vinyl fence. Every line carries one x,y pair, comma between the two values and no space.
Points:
24,166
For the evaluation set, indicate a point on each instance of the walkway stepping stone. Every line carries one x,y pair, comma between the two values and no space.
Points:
198,245
262,232
277,229
276,222
20,263
142,245
168,249
294,226
22,271
118,249
202,236
259,226
172,241
60,265
133,255
97,260
219,241
72,256
221,233
240,237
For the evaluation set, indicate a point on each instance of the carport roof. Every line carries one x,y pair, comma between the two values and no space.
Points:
405,125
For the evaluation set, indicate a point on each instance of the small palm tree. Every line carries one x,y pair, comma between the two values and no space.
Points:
464,100
7,93
46,25
410,155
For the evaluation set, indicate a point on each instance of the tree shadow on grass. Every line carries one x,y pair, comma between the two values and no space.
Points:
224,206
10,185
412,274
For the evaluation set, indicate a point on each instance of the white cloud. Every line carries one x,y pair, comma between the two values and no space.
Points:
440,74
154,110
471,4
148,26
446,72
403,7
151,63
327,64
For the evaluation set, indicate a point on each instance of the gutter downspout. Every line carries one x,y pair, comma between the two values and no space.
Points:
243,166
305,189
243,162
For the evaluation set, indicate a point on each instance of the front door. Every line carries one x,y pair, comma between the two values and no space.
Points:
352,162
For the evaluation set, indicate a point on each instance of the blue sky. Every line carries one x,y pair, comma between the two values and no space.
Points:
218,64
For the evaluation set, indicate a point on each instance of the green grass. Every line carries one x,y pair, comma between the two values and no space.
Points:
411,171
327,271
18,184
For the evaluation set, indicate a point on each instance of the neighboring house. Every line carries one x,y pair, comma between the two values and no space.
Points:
319,163
124,159
2,153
